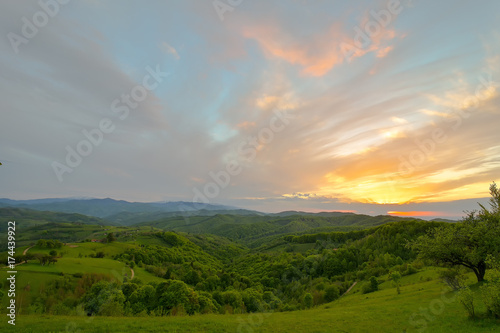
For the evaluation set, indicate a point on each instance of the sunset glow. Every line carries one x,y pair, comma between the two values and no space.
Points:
273,105
416,213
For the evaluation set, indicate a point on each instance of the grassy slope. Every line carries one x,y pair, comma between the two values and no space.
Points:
36,276
255,231
382,311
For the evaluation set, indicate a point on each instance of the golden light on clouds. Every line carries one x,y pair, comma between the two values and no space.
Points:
284,102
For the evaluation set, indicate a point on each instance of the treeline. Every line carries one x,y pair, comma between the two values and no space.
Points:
335,237
49,244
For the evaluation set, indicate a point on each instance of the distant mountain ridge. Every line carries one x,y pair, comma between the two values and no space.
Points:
110,208
25,218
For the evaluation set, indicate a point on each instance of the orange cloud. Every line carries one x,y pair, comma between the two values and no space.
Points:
271,40
267,102
320,53
246,124
283,102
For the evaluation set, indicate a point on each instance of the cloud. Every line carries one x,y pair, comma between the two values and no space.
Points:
318,54
246,124
168,49
354,122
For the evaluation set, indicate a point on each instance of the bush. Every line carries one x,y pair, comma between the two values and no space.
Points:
453,278
308,300
371,286
410,270
374,283
466,298
332,293
491,290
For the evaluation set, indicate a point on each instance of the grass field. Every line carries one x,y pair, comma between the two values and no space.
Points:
422,306
32,276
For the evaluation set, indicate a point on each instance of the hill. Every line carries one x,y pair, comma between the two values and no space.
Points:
27,218
107,207
253,230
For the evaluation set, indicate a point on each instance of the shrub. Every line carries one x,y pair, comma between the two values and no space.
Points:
491,290
332,293
410,270
374,283
466,298
453,278
308,300
371,286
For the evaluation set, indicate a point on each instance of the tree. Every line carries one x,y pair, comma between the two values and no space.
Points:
466,243
332,293
110,237
104,298
396,278
374,283
308,300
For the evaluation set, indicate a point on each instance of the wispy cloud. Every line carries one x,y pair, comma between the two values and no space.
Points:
168,49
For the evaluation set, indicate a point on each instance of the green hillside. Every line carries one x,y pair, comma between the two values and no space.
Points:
27,218
257,230
250,273
423,306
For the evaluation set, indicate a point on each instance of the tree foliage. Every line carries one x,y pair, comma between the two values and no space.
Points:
466,243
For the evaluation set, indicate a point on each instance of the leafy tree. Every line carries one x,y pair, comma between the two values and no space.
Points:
232,298
308,300
104,298
179,294
192,277
374,283
466,243
44,259
332,293
206,303
252,299
396,279
142,298
110,237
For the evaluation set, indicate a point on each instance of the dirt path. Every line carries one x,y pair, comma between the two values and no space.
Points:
348,290
24,253
133,273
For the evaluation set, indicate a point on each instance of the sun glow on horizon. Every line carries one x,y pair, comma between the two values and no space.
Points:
418,213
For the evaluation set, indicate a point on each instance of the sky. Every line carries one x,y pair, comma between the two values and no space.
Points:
374,107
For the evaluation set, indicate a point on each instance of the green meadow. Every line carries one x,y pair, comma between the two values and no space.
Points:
422,306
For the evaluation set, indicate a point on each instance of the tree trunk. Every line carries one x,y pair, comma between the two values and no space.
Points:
480,271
